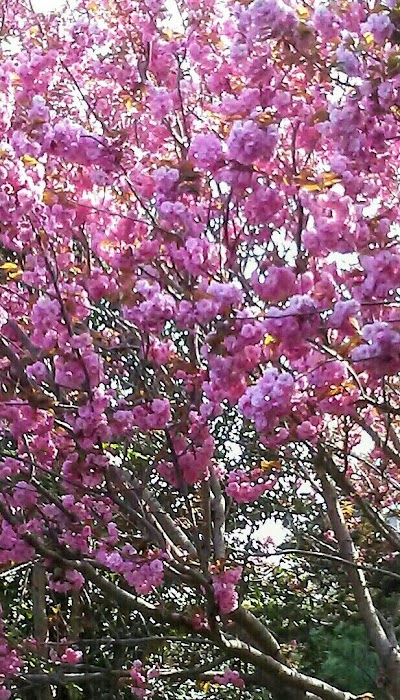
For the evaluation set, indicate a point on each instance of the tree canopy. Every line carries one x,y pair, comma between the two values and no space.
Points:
199,337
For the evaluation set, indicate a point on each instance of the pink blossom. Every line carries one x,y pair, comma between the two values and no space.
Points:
248,142
39,110
38,371
155,416
199,263
381,352
71,656
278,284
25,495
343,312
162,102
224,585
275,17
246,487
206,150
139,677
348,61
379,25
268,399
228,677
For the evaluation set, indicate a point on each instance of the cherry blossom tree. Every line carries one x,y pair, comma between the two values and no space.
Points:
199,315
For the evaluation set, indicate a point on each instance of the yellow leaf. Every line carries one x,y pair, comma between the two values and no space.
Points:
311,187
347,508
395,110
269,464
310,182
302,12
321,115
48,197
393,63
170,35
307,181
204,686
12,271
128,100
345,348
235,83
29,160
335,390
264,119
369,38
9,267
330,179
15,275
348,384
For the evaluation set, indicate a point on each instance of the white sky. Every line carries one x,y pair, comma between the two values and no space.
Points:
46,5
53,5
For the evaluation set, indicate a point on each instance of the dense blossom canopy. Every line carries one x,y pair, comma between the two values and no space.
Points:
199,248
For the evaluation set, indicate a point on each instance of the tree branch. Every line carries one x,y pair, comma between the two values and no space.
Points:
329,557
218,516
376,633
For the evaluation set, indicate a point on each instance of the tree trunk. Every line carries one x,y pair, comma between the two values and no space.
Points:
40,622
391,675
379,633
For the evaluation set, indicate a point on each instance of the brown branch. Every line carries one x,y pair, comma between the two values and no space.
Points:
40,620
386,449
286,674
329,557
233,647
262,638
168,525
218,516
366,608
132,641
372,516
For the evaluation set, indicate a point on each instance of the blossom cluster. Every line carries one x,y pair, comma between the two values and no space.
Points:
198,230
224,586
246,487
142,573
10,662
230,677
141,680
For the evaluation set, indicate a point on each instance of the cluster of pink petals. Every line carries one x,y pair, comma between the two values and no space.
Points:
224,586
144,574
141,680
247,487
10,662
230,677
268,400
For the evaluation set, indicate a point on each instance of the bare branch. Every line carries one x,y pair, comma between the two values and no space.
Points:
218,516
389,657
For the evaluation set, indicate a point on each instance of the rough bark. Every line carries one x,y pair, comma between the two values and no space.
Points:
40,622
384,645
